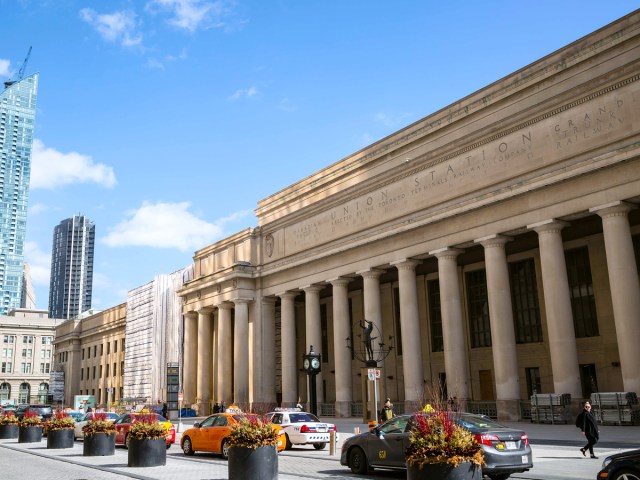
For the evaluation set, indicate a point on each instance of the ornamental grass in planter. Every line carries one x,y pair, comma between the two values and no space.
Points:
99,436
147,442
30,428
253,453
440,448
59,430
8,425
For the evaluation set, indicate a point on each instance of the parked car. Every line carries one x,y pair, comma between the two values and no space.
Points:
302,428
124,422
621,466
77,429
75,414
506,450
211,434
44,411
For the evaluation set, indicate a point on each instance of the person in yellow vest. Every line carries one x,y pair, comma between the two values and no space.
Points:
387,411
428,408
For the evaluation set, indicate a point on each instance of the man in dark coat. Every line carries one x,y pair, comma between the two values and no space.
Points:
589,428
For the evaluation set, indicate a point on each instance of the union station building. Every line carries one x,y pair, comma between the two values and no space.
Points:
494,245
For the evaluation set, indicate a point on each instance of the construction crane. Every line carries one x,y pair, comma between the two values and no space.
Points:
21,71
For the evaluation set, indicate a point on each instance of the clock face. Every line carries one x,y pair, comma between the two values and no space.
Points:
315,364
305,364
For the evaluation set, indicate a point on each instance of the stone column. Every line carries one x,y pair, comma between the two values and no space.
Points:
503,335
557,301
410,331
456,360
265,362
225,358
241,354
288,347
625,289
372,304
190,372
314,329
342,355
205,335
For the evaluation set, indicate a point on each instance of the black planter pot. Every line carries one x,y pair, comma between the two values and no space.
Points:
29,434
444,471
8,431
148,452
60,438
99,445
253,464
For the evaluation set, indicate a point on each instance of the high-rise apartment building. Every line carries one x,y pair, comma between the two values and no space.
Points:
71,267
17,119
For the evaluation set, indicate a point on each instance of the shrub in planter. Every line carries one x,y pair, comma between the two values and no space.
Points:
99,436
8,425
147,442
440,448
253,453
30,428
59,430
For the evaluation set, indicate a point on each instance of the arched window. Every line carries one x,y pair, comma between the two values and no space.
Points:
43,392
5,391
24,393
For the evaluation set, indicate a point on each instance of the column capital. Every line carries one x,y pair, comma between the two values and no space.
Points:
191,314
290,295
370,273
406,264
493,240
446,252
613,208
313,288
550,225
225,306
205,310
270,300
241,301
340,281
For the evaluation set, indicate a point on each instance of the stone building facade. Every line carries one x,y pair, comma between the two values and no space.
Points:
494,242
26,359
90,352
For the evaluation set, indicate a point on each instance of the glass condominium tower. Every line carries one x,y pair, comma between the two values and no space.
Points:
17,116
71,267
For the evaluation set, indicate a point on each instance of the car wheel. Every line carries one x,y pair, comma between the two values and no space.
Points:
626,475
224,449
126,441
319,446
289,444
187,448
169,445
358,461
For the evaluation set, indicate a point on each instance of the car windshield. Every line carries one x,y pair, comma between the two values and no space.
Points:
41,410
476,421
302,417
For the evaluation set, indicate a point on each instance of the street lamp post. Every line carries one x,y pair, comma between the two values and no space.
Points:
312,364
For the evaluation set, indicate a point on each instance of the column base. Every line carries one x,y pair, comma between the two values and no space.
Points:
343,409
508,410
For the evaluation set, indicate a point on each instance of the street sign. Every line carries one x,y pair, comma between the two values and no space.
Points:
373,373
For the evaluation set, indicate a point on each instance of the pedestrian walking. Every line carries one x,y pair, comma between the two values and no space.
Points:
387,411
588,424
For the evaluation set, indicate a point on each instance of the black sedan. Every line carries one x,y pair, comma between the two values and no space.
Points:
506,450
621,466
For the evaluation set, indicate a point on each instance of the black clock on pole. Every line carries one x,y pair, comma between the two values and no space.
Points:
312,365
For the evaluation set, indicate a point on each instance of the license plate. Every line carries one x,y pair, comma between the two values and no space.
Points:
525,459
511,445
321,429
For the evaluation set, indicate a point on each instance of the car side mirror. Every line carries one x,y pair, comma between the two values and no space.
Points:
196,425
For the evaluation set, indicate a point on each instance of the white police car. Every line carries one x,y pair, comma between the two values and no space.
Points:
302,428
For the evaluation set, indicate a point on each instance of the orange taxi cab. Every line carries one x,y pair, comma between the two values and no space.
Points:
210,435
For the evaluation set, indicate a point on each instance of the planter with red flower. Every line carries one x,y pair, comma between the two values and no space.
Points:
8,425
59,430
99,436
147,442
30,428
253,453
440,448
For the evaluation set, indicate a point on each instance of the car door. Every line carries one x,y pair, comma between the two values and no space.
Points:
219,432
200,436
387,444
78,426
122,427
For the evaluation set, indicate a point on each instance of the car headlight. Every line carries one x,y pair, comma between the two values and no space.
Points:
606,462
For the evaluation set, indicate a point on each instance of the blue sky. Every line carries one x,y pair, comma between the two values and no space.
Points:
166,121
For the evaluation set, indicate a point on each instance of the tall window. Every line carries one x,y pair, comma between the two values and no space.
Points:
5,391
9,339
47,340
435,315
583,302
398,324
534,385
7,352
115,346
114,369
106,373
325,333
25,367
478,305
24,393
45,367
7,367
108,348
27,339
43,392
524,298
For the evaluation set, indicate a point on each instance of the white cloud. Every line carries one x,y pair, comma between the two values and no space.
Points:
117,27
286,105
4,67
166,225
39,263
242,93
192,15
37,208
51,169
